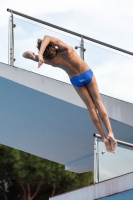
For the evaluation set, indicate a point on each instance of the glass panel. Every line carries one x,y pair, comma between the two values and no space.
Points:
113,71
25,38
113,165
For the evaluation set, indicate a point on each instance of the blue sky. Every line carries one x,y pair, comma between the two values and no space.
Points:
108,21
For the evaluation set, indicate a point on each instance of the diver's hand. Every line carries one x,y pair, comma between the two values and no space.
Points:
31,54
41,60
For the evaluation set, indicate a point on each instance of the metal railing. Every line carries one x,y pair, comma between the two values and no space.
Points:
118,141
82,50
103,152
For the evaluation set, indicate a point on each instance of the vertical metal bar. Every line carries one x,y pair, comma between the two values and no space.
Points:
95,162
8,41
11,41
82,48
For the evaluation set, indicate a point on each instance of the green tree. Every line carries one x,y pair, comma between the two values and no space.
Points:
6,163
35,177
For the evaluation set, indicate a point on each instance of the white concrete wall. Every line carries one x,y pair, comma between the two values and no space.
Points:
99,190
117,109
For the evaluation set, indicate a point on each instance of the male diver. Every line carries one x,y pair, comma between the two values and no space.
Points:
53,51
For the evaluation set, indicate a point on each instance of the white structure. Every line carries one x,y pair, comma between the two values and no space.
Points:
46,117
103,189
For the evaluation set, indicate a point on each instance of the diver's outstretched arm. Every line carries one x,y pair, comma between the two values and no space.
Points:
30,55
57,42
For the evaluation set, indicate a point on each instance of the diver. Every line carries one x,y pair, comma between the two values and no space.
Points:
56,53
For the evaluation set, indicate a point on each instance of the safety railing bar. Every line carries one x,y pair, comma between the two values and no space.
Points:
118,141
71,32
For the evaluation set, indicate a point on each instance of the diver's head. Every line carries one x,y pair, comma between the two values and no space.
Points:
50,51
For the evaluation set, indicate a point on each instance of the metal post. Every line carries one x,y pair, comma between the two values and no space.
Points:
95,162
82,50
11,41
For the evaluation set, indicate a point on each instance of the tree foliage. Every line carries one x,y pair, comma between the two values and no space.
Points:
26,177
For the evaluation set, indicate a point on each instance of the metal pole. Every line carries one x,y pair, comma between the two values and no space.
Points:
71,32
95,162
118,141
82,48
11,41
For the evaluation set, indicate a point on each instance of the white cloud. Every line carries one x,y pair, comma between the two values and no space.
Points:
115,79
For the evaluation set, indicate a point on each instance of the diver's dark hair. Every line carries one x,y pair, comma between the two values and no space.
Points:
50,51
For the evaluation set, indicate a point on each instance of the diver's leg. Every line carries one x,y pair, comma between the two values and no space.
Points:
85,96
94,92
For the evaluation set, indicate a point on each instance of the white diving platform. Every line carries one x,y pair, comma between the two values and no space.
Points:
47,118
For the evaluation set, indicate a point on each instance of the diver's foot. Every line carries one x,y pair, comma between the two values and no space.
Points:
108,145
112,141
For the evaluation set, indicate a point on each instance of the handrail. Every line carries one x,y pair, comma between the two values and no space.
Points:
118,141
71,32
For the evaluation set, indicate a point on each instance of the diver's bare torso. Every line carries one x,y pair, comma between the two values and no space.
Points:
69,61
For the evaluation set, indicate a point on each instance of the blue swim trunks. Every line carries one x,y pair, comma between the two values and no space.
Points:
82,79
